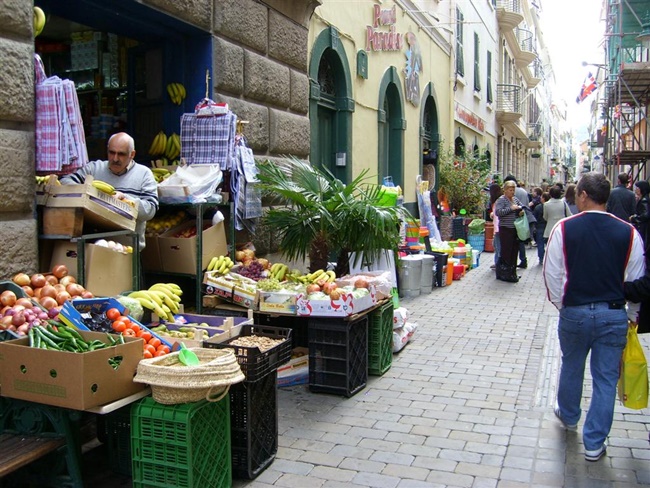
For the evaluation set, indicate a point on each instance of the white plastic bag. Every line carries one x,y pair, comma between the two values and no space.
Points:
193,184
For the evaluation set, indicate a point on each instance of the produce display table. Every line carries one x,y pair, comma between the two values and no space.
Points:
47,424
338,347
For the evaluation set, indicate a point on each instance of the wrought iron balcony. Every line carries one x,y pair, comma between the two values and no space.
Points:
526,43
509,14
508,103
534,136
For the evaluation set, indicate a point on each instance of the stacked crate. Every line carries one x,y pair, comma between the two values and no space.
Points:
380,339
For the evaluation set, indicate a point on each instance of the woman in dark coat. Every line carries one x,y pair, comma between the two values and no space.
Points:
641,217
639,291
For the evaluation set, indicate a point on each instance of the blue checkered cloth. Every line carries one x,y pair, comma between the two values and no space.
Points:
209,140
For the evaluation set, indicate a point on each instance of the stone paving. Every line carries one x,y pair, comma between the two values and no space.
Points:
467,403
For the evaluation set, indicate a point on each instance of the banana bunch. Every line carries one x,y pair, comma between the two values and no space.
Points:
159,144
173,147
44,180
279,271
220,264
39,21
161,298
160,174
176,92
318,276
103,186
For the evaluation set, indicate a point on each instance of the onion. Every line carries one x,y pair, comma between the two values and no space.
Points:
42,315
87,294
66,280
18,319
59,287
5,322
8,297
60,270
25,302
51,279
62,297
49,291
22,279
53,312
29,291
75,289
38,280
23,329
361,283
48,302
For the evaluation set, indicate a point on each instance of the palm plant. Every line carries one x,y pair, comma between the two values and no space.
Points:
316,214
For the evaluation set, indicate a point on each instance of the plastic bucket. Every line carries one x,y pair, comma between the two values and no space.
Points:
426,277
459,271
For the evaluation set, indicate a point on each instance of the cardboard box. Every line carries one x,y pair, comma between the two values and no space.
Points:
277,302
69,379
97,207
150,255
179,254
108,272
345,306
229,287
296,371
214,325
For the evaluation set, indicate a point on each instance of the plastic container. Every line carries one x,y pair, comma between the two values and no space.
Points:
477,241
409,270
449,273
117,430
185,445
380,340
459,271
475,258
338,355
441,262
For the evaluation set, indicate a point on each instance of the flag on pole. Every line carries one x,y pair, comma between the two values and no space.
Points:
588,86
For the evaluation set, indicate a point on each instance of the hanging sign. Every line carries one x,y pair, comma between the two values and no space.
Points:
382,40
468,118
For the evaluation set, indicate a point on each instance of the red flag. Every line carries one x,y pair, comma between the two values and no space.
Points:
588,86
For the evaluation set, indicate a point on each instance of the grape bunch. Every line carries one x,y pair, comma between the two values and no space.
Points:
97,322
269,284
253,270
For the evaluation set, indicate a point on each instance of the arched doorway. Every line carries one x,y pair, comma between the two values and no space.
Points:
330,106
430,139
392,125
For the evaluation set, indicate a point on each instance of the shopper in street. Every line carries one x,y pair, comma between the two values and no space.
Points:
495,193
570,198
588,291
540,226
641,217
621,200
554,210
131,180
508,208
522,196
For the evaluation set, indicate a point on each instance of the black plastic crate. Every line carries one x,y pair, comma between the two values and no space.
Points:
256,363
380,339
253,425
117,432
298,326
338,355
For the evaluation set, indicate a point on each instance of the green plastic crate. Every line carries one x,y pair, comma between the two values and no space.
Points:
186,445
117,432
380,340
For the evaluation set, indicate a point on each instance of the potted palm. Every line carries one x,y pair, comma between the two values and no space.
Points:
316,215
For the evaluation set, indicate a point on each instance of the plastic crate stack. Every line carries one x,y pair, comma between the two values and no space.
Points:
338,355
380,339
185,445
254,402
116,432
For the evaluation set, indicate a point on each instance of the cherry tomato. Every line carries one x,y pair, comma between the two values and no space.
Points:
147,354
112,314
119,326
128,333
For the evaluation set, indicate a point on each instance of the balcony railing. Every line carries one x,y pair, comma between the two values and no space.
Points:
509,14
526,40
513,6
508,98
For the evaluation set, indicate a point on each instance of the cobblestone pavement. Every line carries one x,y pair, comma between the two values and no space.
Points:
467,403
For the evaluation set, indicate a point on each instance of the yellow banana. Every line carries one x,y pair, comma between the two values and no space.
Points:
176,288
315,275
171,92
166,299
150,296
146,303
160,287
212,263
103,186
39,21
331,276
223,269
181,89
161,143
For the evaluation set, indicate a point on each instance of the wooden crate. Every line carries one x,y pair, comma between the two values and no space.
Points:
66,222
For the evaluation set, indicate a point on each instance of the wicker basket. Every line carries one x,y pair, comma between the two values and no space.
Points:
172,382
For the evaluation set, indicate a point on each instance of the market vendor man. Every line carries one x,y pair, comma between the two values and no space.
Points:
131,180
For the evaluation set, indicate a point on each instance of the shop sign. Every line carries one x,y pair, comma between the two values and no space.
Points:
381,40
412,69
469,118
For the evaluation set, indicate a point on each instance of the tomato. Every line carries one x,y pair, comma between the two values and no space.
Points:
159,353
146,336
135,328
150,348
147,354
155,342
128,333
126,320
112,314
163,347
119,326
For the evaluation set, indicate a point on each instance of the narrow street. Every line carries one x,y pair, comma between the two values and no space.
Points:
467,403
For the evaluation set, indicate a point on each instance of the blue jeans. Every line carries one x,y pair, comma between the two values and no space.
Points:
496,242
603,331
539,240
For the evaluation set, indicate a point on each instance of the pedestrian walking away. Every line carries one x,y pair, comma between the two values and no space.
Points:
621,200
588,258
508,208
641,217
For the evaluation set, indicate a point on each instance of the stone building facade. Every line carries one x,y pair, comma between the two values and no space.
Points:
259,51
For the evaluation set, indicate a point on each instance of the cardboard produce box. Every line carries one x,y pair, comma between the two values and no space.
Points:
296,371
68,207
230,287
179,254
69,379
277,302
150,255
211,324
108,272
345,306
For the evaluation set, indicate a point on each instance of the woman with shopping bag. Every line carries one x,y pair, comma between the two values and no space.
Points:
508,208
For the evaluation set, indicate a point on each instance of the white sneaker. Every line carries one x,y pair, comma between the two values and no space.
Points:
571,427
596,454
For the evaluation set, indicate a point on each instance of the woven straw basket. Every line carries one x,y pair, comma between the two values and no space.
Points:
172,382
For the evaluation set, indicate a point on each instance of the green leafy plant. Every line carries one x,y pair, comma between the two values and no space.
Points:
462,179
316,214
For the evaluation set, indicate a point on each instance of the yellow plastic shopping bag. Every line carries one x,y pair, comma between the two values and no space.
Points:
633,381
